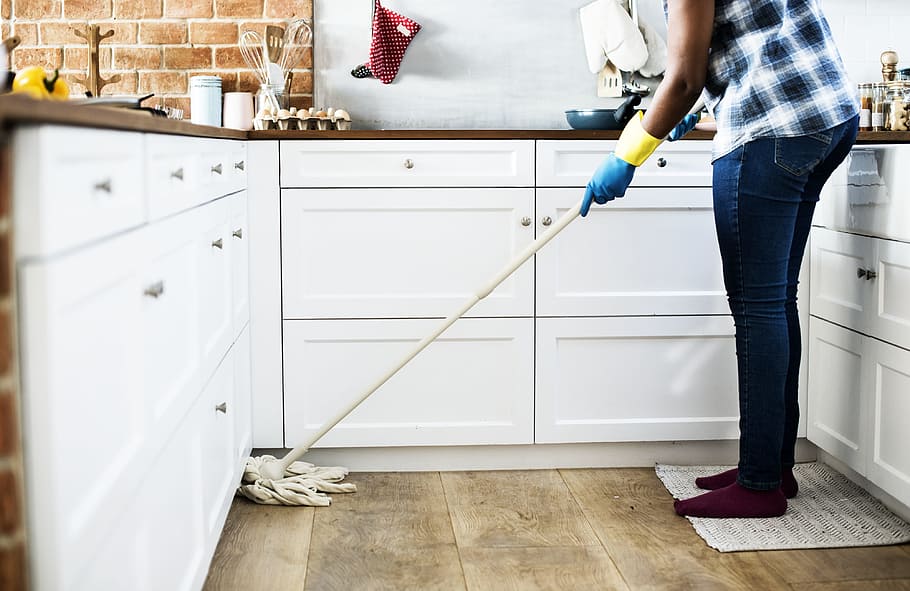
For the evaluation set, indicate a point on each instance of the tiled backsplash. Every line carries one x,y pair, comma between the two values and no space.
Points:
864,29
157,44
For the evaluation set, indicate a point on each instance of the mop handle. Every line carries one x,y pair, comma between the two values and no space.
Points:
295,454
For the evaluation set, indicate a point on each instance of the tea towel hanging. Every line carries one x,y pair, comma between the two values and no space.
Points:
392,34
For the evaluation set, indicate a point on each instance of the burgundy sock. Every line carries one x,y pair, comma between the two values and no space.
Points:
788,482
734,501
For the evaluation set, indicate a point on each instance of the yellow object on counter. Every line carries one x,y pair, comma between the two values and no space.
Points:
34,82
635,144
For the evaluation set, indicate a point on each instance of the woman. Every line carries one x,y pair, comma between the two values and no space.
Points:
786,118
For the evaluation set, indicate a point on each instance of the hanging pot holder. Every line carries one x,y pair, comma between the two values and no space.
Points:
392,33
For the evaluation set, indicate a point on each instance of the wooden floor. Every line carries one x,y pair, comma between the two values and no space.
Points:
547,529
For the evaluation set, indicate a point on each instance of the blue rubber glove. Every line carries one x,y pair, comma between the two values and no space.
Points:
687,124
610,180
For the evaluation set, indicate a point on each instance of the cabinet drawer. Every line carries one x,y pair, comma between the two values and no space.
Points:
652,252
431,401
570,163
74,186
403,253
172,175
407,163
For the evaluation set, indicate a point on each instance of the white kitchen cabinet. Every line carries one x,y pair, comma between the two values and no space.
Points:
635,379
131,389
653,252
471,386
859,377
403,253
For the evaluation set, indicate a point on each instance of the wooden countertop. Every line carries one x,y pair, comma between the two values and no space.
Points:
20,110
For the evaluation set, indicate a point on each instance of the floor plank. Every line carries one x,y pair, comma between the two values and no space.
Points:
867,585
394,533
839,564
249,551
544,569
514,509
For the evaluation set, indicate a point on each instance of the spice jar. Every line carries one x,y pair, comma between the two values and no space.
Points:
897,112
878,106
865,107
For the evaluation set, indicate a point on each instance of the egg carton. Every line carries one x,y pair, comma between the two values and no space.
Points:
294,120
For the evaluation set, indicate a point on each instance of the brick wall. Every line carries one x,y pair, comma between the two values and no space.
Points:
12,520
157,44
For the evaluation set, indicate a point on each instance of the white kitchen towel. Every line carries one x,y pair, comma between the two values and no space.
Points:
657,52
609,33
830,511
865,185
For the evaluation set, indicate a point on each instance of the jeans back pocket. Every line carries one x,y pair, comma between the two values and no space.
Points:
801,154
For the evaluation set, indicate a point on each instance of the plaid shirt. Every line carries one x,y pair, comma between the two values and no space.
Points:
774,71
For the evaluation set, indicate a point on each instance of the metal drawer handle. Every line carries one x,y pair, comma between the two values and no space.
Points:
217,168
155,290
104,186
218,243
546,221
221,407
409,164
177,174
238,233
868,274
240,165
661,162
526,221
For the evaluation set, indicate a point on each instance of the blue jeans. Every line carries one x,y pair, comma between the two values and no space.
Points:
764,196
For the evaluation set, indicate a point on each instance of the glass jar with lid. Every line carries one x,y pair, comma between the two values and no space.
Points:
879,94
865,107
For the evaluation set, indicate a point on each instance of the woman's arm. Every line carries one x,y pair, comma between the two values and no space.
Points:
690,24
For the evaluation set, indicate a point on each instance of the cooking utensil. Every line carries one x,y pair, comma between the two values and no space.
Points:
297,39
253,51
604,118
609,81
274,42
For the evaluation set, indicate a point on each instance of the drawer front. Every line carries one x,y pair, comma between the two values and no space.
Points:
869,193
74,186
172,176
239,252
215,169
407,163
431,401
652,252
213,243
403,253
570,163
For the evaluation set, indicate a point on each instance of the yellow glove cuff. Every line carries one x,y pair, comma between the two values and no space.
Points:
635,144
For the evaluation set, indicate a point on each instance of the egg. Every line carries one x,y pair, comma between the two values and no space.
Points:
342,114
321,114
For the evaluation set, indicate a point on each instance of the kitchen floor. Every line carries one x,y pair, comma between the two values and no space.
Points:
523,530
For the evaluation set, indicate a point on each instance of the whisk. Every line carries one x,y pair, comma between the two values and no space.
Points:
297,37
253,51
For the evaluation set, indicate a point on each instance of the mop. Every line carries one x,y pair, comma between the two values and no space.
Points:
287,481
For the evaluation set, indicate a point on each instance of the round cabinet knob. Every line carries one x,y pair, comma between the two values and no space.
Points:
409,164
526,221
661,162
546,220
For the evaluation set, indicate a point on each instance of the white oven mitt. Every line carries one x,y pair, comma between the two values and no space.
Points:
657,52
609,33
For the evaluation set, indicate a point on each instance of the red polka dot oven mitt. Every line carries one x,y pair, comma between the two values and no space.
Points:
392,33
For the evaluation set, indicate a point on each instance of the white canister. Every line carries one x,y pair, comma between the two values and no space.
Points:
205,100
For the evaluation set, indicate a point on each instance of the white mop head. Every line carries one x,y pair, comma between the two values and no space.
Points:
303,484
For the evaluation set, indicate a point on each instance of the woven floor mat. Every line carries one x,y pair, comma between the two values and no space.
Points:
830,511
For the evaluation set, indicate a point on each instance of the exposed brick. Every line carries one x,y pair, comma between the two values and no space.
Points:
58,33
302,82
6,339
287,9
239,8
137,58
6,273
124,32
188,9
127,85
229,57
5,30
162,82
247,81
260,25
27,32
76,58
182,102
86,9
50,58
76,89
138,8
187,58
9,425
228,79
301,101
10,505
164,32
5,6
13,568
213,33
39,9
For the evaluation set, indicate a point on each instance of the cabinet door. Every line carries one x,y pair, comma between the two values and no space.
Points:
839,289
889,383
240,263
636,379
216,420
838,409
243,397
889,308
652,252
215,315
85,418
403,253
473,385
